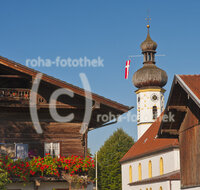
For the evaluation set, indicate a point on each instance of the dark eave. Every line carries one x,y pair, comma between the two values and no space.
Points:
177,104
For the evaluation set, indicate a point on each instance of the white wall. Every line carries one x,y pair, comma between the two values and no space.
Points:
144,108
171,160
176,185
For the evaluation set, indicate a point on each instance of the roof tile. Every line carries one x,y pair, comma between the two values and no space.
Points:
149,142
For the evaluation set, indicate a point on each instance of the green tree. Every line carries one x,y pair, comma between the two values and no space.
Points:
109,155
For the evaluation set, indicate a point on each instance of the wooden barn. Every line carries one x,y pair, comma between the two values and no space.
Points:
20,136
182,120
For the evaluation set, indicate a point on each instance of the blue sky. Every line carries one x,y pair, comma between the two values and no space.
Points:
110,29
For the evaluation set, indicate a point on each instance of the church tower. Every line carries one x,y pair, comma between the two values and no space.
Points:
150,81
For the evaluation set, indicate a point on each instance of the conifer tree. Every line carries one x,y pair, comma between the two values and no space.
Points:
109,155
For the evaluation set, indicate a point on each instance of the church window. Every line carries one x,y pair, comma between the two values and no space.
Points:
155,112
130,174
138,99
150,169
161,166
140,171
138,114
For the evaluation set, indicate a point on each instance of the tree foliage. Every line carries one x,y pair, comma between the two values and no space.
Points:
109,155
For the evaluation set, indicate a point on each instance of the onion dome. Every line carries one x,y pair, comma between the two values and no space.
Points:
149,75
148,44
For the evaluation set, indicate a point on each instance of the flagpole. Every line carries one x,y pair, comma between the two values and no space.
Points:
96,172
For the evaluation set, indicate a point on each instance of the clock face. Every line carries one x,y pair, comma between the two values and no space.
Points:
154,97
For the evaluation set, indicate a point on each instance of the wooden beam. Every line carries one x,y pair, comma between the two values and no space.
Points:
170,131
178,108
11,76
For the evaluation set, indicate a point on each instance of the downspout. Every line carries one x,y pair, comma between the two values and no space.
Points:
170,185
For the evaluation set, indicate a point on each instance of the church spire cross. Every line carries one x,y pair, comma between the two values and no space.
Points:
148,19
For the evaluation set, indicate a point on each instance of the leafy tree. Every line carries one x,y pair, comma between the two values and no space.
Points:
109,155
91,171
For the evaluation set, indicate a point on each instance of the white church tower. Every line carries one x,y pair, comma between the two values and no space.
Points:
149,80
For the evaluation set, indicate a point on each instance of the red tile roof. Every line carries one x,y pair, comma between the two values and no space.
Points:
149,143
175,175
193,82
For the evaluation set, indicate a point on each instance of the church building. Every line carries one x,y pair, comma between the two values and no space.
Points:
152,163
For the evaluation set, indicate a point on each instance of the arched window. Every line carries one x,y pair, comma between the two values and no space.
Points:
140,171
155,112
150,169
150,188
149,56
146,57
138,109
161,188
130,174
161,166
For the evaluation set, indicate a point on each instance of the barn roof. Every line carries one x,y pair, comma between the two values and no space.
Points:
184,95
103,105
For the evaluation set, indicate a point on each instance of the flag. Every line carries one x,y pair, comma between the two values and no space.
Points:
127,69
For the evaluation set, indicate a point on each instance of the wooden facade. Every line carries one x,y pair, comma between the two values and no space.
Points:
16,125
183,102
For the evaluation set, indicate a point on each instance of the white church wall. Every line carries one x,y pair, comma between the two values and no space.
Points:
176,185
170,163
146,100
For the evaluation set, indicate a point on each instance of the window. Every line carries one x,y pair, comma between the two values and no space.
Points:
21,151
140,171
8,149
149,57
161,166
155,112
138,109
161,188
150,169
138,98
150,188
130,174
52,148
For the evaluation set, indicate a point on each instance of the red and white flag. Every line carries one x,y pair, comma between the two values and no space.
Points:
127,69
